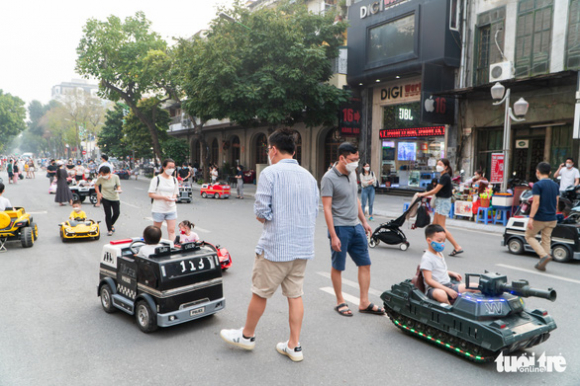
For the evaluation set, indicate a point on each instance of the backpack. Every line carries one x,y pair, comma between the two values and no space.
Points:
423,218
157,186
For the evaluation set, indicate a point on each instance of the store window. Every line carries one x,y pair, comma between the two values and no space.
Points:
392,42
454,16
573,38
489,141
261,149
561,145
490,26
533,37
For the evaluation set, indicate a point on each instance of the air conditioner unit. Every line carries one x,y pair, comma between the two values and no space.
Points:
501,71
186,122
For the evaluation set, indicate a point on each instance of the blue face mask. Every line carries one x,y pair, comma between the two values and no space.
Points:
438,247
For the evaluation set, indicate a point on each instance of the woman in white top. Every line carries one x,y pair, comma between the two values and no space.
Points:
367,182
163,190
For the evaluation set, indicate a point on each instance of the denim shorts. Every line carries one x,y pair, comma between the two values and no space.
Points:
159,217
354,241
454,287
443,206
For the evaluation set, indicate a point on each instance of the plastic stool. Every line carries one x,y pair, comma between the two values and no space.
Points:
406,206
452,210
501,216
487,212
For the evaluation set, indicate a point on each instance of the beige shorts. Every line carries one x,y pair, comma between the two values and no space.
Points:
267,276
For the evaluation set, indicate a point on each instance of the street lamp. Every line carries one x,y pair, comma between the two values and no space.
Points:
520,109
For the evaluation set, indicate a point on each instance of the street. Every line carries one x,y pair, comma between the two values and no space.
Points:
55,332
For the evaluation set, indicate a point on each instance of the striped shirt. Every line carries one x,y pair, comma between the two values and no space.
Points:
287,198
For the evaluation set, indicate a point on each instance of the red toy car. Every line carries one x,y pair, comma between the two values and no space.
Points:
217,190
223,255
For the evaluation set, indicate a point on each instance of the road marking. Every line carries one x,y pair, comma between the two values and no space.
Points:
347,297
41,212
201,230
538,273
131,205
349,283
138,188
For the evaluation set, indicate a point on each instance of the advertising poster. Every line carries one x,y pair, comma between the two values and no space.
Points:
496,168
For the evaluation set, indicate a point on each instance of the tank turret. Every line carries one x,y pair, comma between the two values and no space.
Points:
496,284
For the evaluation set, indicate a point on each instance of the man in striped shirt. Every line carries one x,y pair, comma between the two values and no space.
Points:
287,206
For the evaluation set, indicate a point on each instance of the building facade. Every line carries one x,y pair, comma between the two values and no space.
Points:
59,91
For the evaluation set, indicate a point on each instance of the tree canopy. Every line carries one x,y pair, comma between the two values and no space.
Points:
12,117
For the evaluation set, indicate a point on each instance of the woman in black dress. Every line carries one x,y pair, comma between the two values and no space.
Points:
63,193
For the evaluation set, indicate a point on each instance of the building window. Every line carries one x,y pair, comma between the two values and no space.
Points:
331,144
393,41
533,37
215,150
561,144
489,26
573,39
454,15
261,149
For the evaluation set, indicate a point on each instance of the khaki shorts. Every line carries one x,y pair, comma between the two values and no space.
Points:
267,276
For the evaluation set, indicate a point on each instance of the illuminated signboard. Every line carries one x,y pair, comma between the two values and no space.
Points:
350,119
432,131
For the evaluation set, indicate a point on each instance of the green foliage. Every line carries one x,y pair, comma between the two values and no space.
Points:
275,70
136,135
176,149
12,117
111,135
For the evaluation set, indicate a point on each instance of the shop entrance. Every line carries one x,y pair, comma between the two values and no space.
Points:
528,152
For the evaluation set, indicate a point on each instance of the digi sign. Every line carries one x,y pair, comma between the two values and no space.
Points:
432,131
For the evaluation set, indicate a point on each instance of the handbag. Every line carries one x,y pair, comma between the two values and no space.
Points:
423,218
376,183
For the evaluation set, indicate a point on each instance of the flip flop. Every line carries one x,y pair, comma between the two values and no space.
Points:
456,252
343,312
370,310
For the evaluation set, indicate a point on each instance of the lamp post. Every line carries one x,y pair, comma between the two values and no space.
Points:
520,109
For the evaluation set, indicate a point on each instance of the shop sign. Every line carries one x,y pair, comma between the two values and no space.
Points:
377,6
401,91
496,168
437,109
433,131
350,119
522,143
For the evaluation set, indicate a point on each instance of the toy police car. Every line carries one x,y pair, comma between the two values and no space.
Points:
565,239
170,287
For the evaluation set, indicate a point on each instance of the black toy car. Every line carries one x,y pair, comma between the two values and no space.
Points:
565,239
170,287
81,192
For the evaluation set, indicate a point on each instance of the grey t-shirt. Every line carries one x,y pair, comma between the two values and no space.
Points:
437,266
343,190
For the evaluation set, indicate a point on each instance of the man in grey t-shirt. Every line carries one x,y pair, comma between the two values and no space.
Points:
347,226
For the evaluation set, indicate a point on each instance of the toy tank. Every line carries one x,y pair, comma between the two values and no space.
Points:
479,325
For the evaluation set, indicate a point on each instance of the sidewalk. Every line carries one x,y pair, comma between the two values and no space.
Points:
390,206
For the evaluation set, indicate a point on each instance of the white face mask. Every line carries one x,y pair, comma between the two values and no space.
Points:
77,209
169,171
269,160
569,166
367,168
351,167
439,168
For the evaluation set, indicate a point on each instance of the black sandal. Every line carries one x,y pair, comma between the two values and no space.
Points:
456,252
371,310
344,312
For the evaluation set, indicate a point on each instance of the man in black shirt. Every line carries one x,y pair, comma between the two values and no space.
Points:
51,171
184,172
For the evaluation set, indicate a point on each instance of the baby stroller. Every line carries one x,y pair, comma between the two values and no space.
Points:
390,232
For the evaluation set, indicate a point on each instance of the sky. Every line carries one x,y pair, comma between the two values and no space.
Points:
38,38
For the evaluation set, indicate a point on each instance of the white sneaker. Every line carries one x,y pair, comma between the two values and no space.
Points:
236,337
293,353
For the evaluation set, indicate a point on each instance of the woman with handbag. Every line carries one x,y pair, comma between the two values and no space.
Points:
368,181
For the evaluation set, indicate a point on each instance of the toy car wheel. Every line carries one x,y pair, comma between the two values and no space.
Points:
107,299
145,317
93,198
34,230
204,195
82,198
75,196
97,237
216,196
27,237
516,246
404,246
372,243
561,253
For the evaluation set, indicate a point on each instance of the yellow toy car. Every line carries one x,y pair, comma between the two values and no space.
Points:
17,225
79,228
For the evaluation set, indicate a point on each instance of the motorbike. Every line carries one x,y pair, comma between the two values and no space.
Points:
526,198
572,193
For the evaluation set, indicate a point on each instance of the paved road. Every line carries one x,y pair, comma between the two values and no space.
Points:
54,332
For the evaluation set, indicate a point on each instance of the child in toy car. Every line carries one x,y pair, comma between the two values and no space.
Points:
185,234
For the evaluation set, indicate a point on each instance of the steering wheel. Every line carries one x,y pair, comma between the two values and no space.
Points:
134,244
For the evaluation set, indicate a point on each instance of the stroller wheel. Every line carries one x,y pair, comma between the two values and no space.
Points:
404,246
373,243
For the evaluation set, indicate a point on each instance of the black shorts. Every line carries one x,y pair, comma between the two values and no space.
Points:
454,287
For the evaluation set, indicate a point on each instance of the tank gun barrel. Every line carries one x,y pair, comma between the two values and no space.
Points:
522,288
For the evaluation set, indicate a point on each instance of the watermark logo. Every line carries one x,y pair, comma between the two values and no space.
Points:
527,363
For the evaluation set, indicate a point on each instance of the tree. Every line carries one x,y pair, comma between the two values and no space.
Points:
111,135
115,53
176,149
274,71
12,117
136,136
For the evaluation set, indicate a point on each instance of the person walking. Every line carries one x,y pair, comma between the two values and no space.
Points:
105,162
347,226
15,171
287,206
51,171
443,193
569,175
214,174
108,187
368,182
63,193
240,182
10,171
543,214
79,171
184,174
31,169
163,190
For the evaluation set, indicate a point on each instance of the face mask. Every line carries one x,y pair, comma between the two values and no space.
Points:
367,168
351,167
77,209
439,168
169,171
569,166
269,160
438,247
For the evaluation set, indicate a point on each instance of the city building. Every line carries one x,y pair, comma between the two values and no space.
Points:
60,91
